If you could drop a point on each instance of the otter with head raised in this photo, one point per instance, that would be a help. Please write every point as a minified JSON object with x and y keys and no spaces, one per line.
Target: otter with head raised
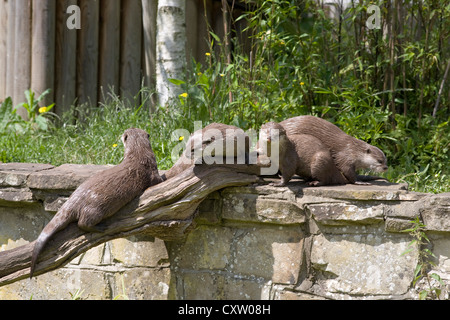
{"x":103,"y":194}
{"x":299,"y":154}
{"x":349,"y":154}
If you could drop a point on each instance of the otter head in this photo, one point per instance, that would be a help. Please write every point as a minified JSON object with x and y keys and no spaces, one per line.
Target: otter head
{"x":272,"y":135}
{"x":137,"y":144}
{"x":373,"y":159}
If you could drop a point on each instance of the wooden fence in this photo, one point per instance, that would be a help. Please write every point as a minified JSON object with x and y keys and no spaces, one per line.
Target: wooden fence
{"x":113,"y":50}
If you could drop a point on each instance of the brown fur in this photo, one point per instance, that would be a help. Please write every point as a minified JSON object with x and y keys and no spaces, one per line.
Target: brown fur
{"x":303,"y":155}
{"x":349,"y":154}
{"x":103,"y":194}
{"x":210,"y":135}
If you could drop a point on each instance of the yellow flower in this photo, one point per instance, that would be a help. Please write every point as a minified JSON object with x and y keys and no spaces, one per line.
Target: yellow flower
{"x":115,"y":145}
{"x":302,"y":83}
{"x":184,"y":95}
{"x":222,"y":75}
{"x":199,"y":74}
{"x":207,"y":54}
{"x":43,"y":110}
{"x":181,"y":138}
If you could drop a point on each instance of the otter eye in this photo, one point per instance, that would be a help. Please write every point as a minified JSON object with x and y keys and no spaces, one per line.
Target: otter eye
{"x":148,"y":135}
{"x":125,"y":137}
{"x":368,"y":151}
{"x":380,"y":161}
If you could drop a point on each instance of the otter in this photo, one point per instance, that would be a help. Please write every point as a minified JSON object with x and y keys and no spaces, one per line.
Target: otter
{"x":103,"y":194}
{"x":349,"y":154}
{"x":300,"y":154}
{"x":212,"y":143}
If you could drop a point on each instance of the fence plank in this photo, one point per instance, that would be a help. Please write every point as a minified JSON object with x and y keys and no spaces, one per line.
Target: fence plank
{"x":115,"y":47}
{"x":65,"y":59}
{"x":22,"y":59}
{"x":43,"y":48}
{"x":109,"y":48}
{"x":130,"y":64}
{"x":191,"y":30}
{"x":10,"y":47}
{"x":3,"y":46}
{"x":87,"y":62}
{"x":149,"y":10}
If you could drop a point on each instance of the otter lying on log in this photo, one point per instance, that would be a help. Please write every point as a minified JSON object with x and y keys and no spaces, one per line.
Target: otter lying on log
{"x":217,"y":141}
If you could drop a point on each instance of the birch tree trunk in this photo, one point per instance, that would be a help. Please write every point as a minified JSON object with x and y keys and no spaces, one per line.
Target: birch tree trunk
{"x":170,"y":48}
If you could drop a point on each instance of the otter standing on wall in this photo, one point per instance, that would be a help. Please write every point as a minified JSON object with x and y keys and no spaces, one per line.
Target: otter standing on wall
{"x":300,"y":154}
{"x":103,"y":194}
{"x":349,"y":153}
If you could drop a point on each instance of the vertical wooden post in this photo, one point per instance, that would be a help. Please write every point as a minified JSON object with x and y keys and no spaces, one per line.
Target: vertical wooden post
{"x":131,"y":43}
{"x":3,"y":47}
{"x":191,"y":30}
{"x":87,"y":64}
{"x":22,"y":59}
{"x":65,"y":59}
{"x":10,"y":47}
{"x":109,"y":48}
{"x":43,"y":48}
{"x":149,"y":11}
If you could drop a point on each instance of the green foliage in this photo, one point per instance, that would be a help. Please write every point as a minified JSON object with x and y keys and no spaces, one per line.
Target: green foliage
{"x":420,"y":239}
{"x":38,"y":117}
{"x":77,"y":295}
{"x":378,"y":85}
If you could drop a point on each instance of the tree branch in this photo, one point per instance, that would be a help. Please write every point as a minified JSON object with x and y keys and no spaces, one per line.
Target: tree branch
{"x":165,"y":211}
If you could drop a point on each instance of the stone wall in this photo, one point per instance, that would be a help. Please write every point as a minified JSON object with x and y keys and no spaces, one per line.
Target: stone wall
{"x":255,"y":242}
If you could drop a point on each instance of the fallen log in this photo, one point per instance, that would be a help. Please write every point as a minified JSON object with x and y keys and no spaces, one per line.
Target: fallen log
{"x":166,"y":211}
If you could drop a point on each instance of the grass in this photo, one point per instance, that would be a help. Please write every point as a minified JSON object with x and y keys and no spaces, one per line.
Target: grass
{"x":96,"y":140}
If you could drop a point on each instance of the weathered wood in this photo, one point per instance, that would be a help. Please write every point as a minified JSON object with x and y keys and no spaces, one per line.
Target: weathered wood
{"x":3,"y":47}
{"x":86,"y":60}
{"x":149,"y":10}
{"x":22,"y":51}
{"x":43,"y":48}
{"x":87,"y":63}
{"x":109,"y":48}
{"x":191,"y":30}
{"x":10,"y":49}
{"x":165,"y":211}
{"x":130,"y":64}
{"x":65,"y":59}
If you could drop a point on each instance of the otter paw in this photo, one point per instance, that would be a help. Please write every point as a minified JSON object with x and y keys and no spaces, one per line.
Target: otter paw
{"x":362,"y":183}
{"x":277,"y":184}
{"x":313,"y":183}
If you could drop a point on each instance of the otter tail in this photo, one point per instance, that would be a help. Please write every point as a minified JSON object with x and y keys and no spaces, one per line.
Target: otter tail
{"x":58,"y":222}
